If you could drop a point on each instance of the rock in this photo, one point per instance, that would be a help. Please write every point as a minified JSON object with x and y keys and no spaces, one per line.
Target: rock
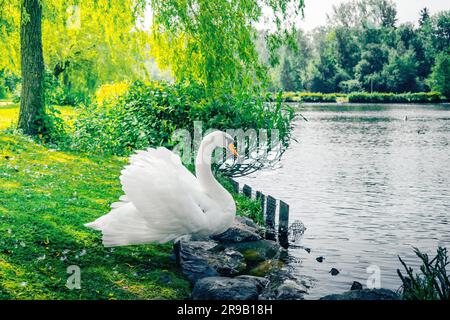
{"x":334,"y":271}
{"x":364,"y":294}
{"x":356,"y":286}
{"x":215,"y":265}
{"x":200,"y":259}
{"x":257,"y":251}
{"x":320,"y":259}
{"x":249,"y":223}
{"x":266,"y":267}
{"x":243,"y":230}
{"x":283,"y":286}
{"x":308,"y":250}
{"x":290,"y":290}
{"x":260,"y":282}
{"x":225,"y":288}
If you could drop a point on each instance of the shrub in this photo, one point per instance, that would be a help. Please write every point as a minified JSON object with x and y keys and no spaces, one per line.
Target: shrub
{"x":149,"y":113}
{"x":350,"y":86}
{"x":290,"y":96}
{"x":3,"y":92}
{"x":377,"y":97}
{"x":8,"y":83}
{"x":107,"y":93}
{"x":309,"y":97}
{"x":317,"y":97}
{"x":433,"y":283}
{"x":58,"y":94}
{"x":440,"y":77}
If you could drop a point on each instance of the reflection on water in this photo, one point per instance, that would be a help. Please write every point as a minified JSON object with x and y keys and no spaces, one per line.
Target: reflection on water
{"x":368,"y":185}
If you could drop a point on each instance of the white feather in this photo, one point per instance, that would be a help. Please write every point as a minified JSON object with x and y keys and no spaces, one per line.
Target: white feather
{"x":162,"y":202}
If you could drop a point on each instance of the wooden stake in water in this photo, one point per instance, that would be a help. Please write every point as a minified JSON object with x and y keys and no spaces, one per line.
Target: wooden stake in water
{"x":270,"y":217}
{"x":262,"y":199}
{"x":235,"y":185}
{"x":283,"y":224}
{"x":247,"y":191}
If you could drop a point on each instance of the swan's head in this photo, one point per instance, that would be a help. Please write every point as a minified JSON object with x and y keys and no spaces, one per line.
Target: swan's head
{"x":219,"y":139}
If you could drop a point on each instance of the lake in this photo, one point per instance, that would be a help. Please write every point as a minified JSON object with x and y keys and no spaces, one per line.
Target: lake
{"x":368,"y":185}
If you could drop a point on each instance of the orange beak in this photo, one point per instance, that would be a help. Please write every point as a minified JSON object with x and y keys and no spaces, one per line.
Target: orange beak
{"x":233,"y":149}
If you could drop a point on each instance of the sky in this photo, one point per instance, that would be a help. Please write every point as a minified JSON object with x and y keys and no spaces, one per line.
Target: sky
{"x":407,"y":10}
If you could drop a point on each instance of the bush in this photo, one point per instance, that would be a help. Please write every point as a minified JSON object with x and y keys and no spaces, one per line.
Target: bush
{"x":433,"y":283}
{"x":376,"y":97}
{"x":440,"y":77}
{"x":107,"y":93}
{"x":350,"y":86}
{"x":8,"y":83}
{"x":149,"y":113}
{"x":317,"y":97}
{"x":58,"y":94}
{"x":309,"y":97}
{"x":3,"y":92}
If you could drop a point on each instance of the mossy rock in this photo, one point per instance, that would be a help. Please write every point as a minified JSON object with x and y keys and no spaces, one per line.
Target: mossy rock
{"x":266,"y":267}
{"x":257,"y":251}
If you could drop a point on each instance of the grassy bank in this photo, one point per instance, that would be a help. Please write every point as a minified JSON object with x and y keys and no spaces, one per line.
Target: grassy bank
{"x":363,"y":97}
{"x":45,"y":198}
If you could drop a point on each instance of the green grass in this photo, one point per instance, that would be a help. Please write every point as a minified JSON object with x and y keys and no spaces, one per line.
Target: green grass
{"x":46,"y":196}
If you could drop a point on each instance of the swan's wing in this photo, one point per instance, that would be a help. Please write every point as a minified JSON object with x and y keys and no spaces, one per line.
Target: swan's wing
{"x":166,"y":195}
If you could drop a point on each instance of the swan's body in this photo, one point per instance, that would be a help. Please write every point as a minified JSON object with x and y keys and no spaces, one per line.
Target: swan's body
{"x":164,"y":201}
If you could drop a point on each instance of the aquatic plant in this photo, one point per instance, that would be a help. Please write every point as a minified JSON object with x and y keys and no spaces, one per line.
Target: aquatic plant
{"x":433,"y":283}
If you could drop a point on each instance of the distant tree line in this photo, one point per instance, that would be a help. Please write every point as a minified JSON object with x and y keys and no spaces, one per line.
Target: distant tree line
{"x":363,"y":48}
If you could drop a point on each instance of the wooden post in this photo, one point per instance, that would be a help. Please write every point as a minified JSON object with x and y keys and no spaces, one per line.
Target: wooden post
{"x":235,"y":185}
{"x":262,"y":199}
{"x":283,"y":224}
{"x":270,"y":217}
{"x":247,"y":191}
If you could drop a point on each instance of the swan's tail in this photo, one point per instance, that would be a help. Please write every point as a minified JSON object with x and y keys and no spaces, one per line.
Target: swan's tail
{"x":124,"y":226}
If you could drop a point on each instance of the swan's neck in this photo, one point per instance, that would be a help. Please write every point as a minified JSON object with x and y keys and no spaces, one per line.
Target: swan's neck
{"x":204,"y":173}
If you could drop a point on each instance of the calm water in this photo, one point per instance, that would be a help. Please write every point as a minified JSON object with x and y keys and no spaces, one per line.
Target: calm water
{"x":368,"y":186}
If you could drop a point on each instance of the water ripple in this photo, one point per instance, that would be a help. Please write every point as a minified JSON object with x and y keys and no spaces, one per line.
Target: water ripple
{"x":368,"y":186}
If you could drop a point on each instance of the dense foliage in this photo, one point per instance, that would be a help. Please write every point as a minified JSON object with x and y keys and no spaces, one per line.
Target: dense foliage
{"x":90,"y":43}
{"x":364,"y":97}
{"x":418,"y":97}
{"x":310,"y":97}
{"x":85,"y":43}
{"x":433,"y":281}
{"x":149,"y":113}
{"x":440,"y":76}
{"x":213,"y":42}
{"x":363,"y":48}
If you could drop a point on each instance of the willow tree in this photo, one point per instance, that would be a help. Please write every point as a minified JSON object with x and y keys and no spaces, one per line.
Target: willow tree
{"x":32,"y":68}
{"x":84,"y":44}
{"x":213,"y":42}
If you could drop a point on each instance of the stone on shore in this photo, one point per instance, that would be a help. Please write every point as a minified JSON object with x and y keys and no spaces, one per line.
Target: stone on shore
{"x":237,"y":264}
{"x":226,"y":288}
{"x":242,"y":230}
{"x":364,"y":294}
{"x":200,"y":259}
{"x":334,"y":271}
{"x":356,"y":286}
{"x":290,"y":290}
{"x":257,"y":251}
{"x":284,"y":286}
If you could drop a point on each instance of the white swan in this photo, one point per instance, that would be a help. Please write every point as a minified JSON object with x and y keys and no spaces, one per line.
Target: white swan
{"x":164,"y":201}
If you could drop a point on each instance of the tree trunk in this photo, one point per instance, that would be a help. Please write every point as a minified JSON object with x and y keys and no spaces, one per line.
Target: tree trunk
{"x":32,"y":105}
